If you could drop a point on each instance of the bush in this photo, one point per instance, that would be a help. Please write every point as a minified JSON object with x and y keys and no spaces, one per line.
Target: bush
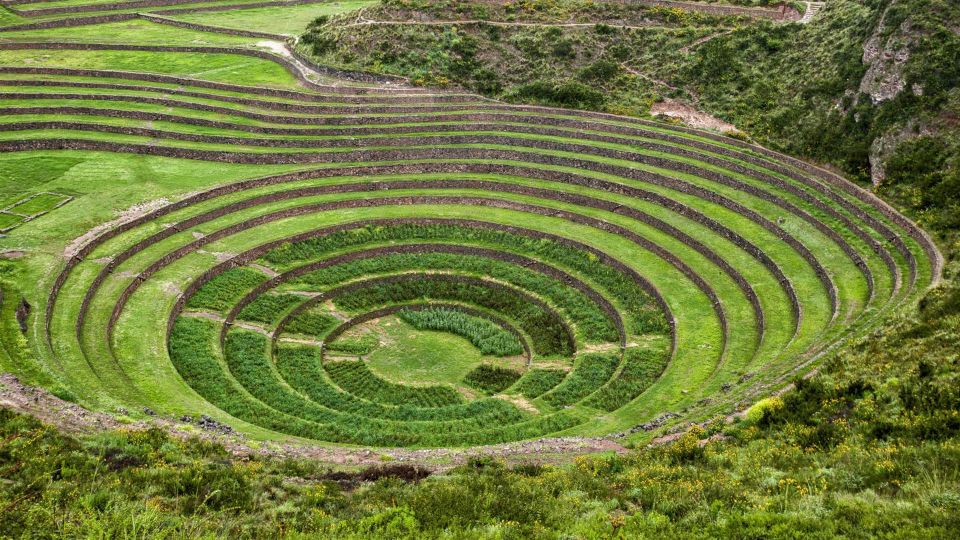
{"x":571,"y":94}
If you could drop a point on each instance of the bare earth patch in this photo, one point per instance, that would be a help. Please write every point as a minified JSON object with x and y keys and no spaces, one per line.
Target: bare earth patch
{"x":691,"y":116}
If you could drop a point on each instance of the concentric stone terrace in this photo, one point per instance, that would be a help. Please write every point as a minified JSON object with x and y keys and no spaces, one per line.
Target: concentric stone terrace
{"x":606,"y":269}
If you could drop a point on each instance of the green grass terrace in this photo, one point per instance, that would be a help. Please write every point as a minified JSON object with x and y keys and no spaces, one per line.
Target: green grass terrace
{"x":298,"y":255}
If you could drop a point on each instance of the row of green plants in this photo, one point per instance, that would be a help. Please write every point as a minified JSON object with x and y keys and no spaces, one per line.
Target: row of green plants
{"x":590,"y":373}
{"x":269,"y":308}
{"x":254,"y":393}
{"x":354,"y":345}
{"x":315,"y":322}
{"x":546,"y":329}
{"x":354,"y":377}
{"x":301,"y":367}
{"x":223,"y":291}
{"x":486,"y":335}
{"x":642,"y":313}
{"x":641,"y":368}
{"x":491,"y":379}
{"x":539,"y":381}
{"x":591,"y":323}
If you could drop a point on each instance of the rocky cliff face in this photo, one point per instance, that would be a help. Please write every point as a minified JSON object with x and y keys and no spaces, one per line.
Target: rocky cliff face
{"x":888,"y":54}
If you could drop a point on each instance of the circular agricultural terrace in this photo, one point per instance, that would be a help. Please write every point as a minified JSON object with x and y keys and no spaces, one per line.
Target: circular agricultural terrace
{"x":601,"y":270}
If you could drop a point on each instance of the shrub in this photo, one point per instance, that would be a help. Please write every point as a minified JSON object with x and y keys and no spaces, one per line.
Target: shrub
{"x":571,"y":94}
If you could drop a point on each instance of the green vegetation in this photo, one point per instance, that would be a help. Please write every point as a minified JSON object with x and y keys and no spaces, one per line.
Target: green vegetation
{"x":546,"y":330}
{"x":220,"y":293}
{"x":595,"y":325}
{"x":557,"y":224}
{"x":406,"y":353}
{"x":762,"y":480}
{"x":316,"y":323}
{"x":360,"y":345}
{"x":589,"y":373}
{"x":484,"y":334}
{"x":269,"y":308}
{"x":491,"y":379}
{"x":280,"y":20}
{"x":536,"y":382}
{"x":830,"y":105}
{"x":354,"y":377}
{"x":641,"y":368}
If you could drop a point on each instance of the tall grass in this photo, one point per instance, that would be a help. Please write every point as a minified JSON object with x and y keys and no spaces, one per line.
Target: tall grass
{"x":547,"y":331}
{"x":590,"y":372}
{"x":484,"y":334}
{"x":644,"y":316}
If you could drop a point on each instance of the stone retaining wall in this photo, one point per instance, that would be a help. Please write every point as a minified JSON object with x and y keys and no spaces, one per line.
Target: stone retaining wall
{"x":441,"y":153}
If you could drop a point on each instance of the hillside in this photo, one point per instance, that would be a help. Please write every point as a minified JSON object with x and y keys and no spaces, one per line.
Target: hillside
{"x":865,"y":86}
{"x":411,"y":269}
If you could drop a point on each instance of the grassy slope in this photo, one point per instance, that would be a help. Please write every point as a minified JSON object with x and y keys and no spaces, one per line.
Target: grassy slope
{"x":791,"y":87}
{"x":282,"y":20}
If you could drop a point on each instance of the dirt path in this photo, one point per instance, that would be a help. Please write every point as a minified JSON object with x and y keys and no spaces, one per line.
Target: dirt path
{"x":687,"y":48}
{"x":237,"y":324}
{"x":265,"y":269}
